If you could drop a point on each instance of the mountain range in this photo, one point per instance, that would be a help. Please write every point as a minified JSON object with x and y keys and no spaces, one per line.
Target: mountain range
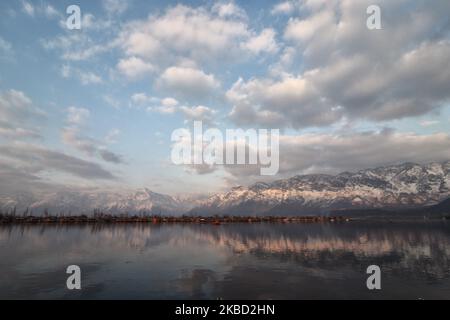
{"x":85,"y":202}
{"x":395,"y":187}
{"x":402,"y":186}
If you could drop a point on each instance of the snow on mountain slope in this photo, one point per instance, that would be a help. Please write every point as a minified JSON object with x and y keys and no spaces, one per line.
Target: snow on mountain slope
{"x":403,"y":185}
{"x":77,"y":202}
{"x":406,"y":185}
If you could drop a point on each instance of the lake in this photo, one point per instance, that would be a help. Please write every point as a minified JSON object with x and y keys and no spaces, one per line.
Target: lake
{"x":230,"y":261}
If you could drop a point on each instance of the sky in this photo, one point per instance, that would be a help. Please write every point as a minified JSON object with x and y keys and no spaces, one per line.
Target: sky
{"x":95,"y":108}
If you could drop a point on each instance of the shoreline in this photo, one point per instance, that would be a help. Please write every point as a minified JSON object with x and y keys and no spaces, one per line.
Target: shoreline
{"x":216,"y":220}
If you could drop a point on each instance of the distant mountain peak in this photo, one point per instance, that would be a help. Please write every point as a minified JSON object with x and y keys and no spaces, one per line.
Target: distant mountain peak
{"x":395,"y":186}
{"x":404,"y":185}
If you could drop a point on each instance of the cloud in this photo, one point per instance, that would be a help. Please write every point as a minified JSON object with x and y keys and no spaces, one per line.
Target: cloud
{"x":188,"y":82}
{"x":6,"y":49}
{"x":115,"y":6}
{"x":89,"y":146}
{"x":228,"y":9}
{"x":199,"y":113}
{"x":337,"y":152}
{"x":289,"y":102}
{"x":204,"y":35}
{"x":135,"y":68}
{"x":428,"y":123}
{"x":83,"y":45}
{"x":50,"y":11}
{"x":18,"y":115}
{"x":348,"y":71}
{"x":46,"y":160}
{"x":112,"y":136}
{"x":89,"y":78}
{"x":19,"y":178}
{"x":166,"y":105}
{"x":77,"y":116}
{"x":12,"y":132}
{"x":170,"y":105}
{"x":41,"y":9}
{"x":264,"y":42}
{"x":85,"y":77}
{"x":28,"y":8}
{"x":141,"y":99}
{"x":71,"y":136}
{"x":285,"y":7}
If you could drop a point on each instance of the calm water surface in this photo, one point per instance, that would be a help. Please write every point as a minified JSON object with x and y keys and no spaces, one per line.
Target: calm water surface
{"x":236,"y":261}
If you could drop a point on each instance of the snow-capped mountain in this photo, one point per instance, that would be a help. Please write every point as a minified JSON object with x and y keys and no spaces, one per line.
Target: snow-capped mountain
{"x":406,"y":185}
{"x":79,"y":202}
{"x":400,"y":186}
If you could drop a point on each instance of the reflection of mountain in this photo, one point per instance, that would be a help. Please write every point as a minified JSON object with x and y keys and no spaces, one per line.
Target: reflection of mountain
{"x":308,"y":243}
{"x":233,"y":261}
{"x":425,"y":247}
{"x":402,"y":186}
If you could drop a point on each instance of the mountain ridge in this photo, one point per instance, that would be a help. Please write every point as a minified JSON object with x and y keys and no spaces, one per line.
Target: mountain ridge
{"x":395,"y":187}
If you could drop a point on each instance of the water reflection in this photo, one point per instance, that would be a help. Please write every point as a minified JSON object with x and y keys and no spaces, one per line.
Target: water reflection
{"x":256,"y":261}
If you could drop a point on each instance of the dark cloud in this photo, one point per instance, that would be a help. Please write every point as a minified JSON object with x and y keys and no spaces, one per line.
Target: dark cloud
{"x":44,"y":159}
{"x":109,"y":156}
{"x":334,"y":153}
{"x":349,"y":71}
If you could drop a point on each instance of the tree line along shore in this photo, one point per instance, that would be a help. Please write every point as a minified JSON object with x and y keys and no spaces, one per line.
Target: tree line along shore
{"x":13,"y":218}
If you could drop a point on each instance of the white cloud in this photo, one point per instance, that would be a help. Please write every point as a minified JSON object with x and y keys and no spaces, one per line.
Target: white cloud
{"x":170,"y":105}
{"x":165,"y":106}
{"x":198,"y":113}
{"x":112,"y":136}
{"x":291,"y":102}
{"x":304,"y":30}
{"x":28,"y":8}
{"x":50,"y":11}
{"x":169,"y":102}
{"x":6,"y":49}
{"x":189,"y":82}
{"x":77,"y":116}
{"x":285,"y":7}
{"x":264,"y":42}
{"x":89,"y":78}
{"x":228,"y":9}
{"x":135,"y":68}
{"x":139,"y":98}
{"x":428,"y":123}
{"x":115,"y":6}
{"x":85,"y":77}
{"x":204,"y":35}
{"x":78,"y":46}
